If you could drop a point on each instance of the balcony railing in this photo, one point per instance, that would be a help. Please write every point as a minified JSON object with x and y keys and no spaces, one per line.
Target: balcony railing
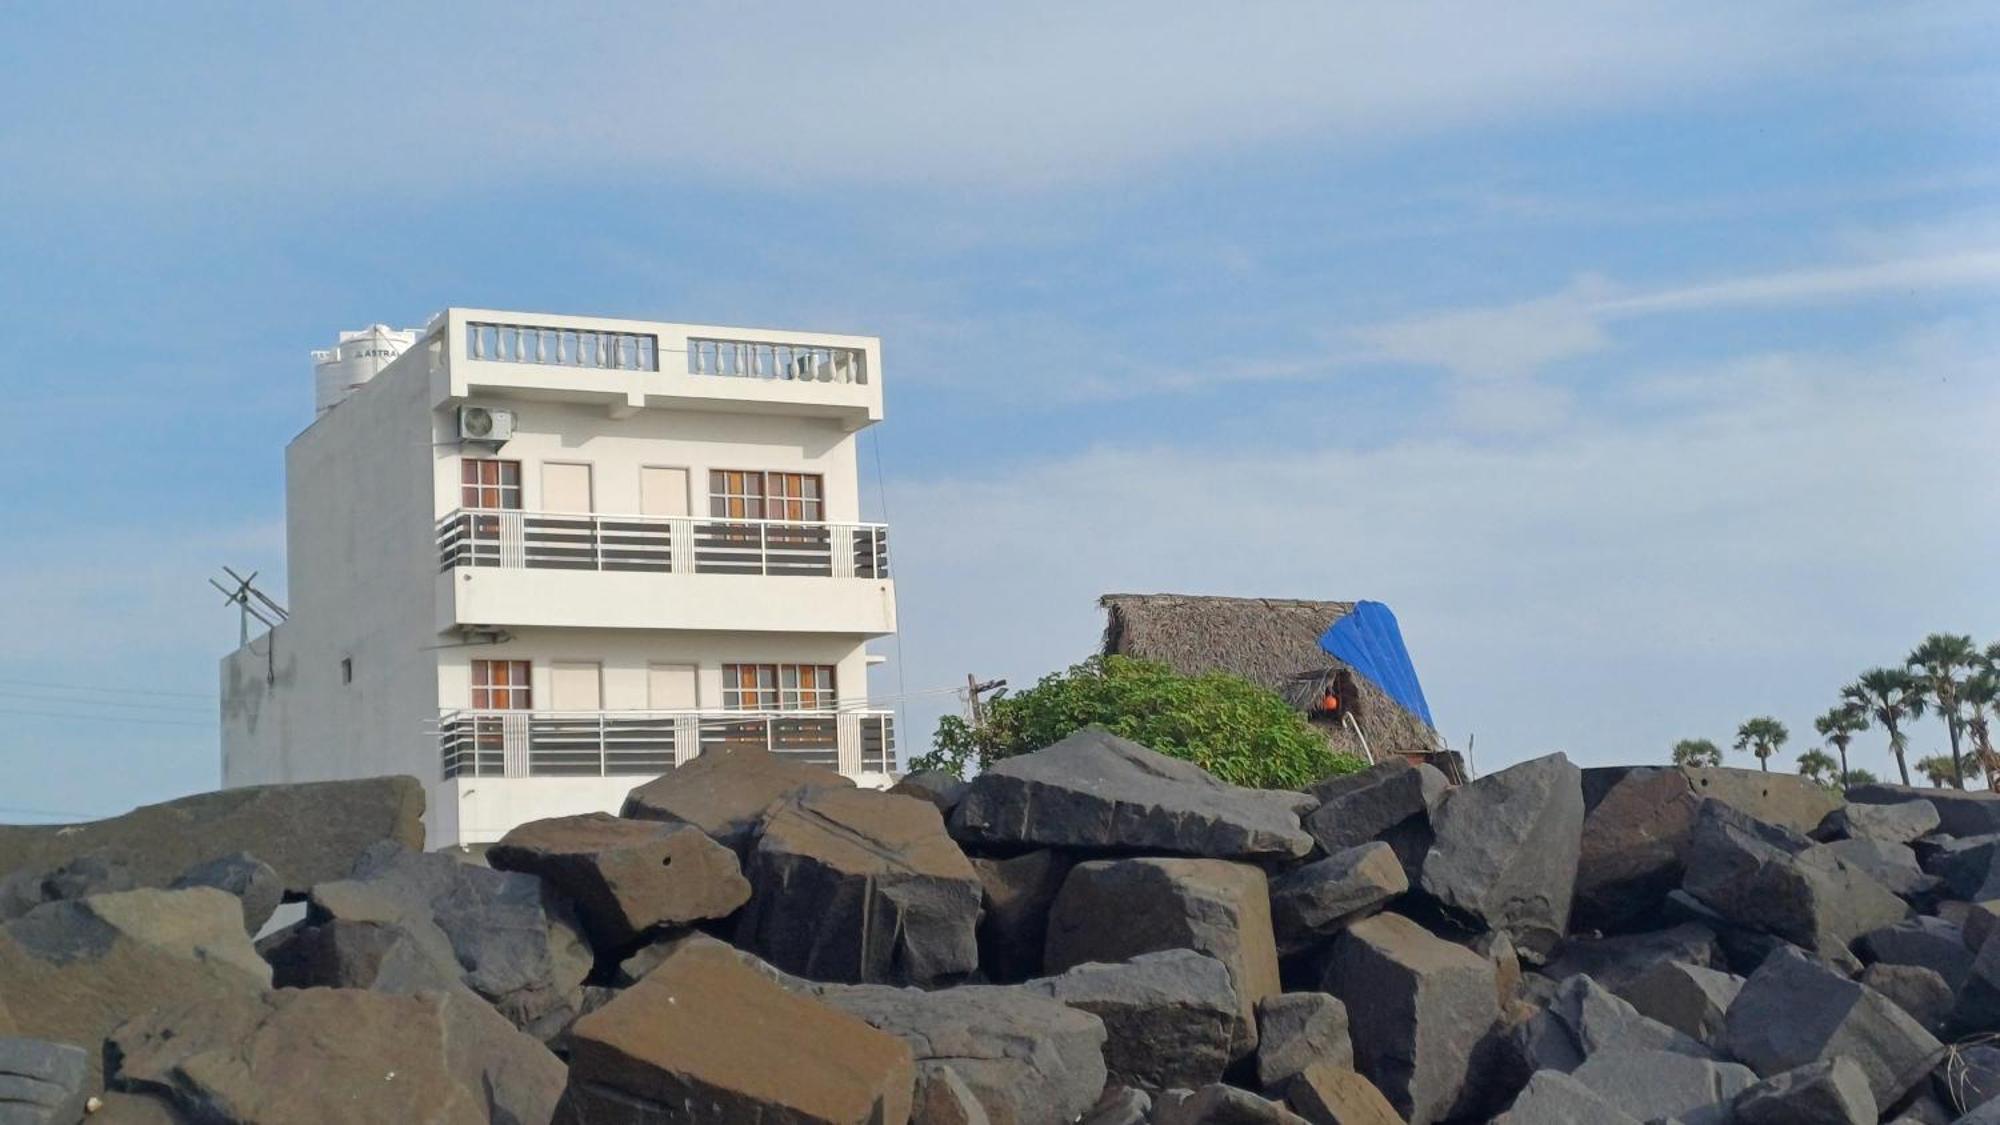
{"x":751,"y":359}
{"x":562,"y":347}
{"x":558,"y":541}
{"x":647,"y":743}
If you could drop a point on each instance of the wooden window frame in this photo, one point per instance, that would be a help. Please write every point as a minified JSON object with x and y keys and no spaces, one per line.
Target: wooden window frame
{"x":767,"y":494}
{"x":780,"y":687}
{"x":475,"y":490}
{"x":502,"y":685}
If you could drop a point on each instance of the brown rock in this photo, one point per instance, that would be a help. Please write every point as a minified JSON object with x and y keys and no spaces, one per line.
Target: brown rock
{"x":1632,"y":842}
{"x":627,"y":876}
{"x":704,"y":1037}
{"x":1113,"y":910}
{"x":1784,"y":799}
{"x":308,"y":833}
{"x":1325,"y":1094}
{"x":855,"y":885}
{"x":726,"y":793}
{"x":1015,"y":921}
{"x":338,"y":1056}
{"x":72,"y":971}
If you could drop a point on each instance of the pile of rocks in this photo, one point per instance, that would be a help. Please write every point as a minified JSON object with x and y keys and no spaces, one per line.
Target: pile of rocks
{"x":1092,"y":933}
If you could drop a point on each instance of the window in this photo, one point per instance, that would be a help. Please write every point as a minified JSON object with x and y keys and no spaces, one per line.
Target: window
{"x":778,"y":687}
{"x":500,"y":685}
{"x":489,"y":484}
{"x":738,"y":494}
{"x":346,"y":669}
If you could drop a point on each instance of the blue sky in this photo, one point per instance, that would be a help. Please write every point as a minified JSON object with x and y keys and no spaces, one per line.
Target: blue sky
{"x":1640,"y":355}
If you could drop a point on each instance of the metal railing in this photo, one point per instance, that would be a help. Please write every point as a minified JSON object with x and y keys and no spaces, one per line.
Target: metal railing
{"x":476,"y":743}
{"x":562,"y":347}
{"x":752,"y":359}
{"x":558,"y":541}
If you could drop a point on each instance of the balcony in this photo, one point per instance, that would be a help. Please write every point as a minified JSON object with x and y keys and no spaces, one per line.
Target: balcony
{"x":648,"y":743}
{"x":630,"y":365}
{"x":502,"y":567}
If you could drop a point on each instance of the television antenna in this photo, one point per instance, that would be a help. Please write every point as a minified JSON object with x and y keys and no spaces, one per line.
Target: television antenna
{"x":250,"y":602}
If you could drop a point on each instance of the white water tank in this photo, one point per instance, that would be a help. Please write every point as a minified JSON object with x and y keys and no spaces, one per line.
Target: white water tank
{"x":354,"y":360}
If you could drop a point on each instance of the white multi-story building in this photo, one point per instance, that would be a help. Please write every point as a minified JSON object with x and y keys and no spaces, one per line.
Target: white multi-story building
{"x":536,"y":559}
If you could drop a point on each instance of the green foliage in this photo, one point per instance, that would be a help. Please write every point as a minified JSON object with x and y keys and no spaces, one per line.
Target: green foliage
{"x":1859,"y":777}
{"x":1818,"y":765}
{"x":1937,"y":769}
{"x":1761,"y":736}
{"x":1228,"y":726}
{"x":1697,"y":752}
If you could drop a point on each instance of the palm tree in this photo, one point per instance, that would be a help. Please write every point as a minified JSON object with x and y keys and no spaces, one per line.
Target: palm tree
{"x":1981,"y":693}
{"x":1940,"y":663}
{"x":1697,"y":752}
{"x":1937,"y":769}
{"x":1818,"y":765}
{"x":1761,"y":736}
{"x":1852,"y":778}
{"x":1839,"y":726}
{"x":1888,"y":696}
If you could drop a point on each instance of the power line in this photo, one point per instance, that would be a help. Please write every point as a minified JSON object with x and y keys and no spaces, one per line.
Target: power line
{"x":12,"y":810}
{"x":142,"y":720}
{"x":101,"y":688}
{"x":170,"y":708}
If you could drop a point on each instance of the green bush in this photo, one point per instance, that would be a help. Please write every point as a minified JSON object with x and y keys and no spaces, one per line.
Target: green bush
{"x":1230,"y":727}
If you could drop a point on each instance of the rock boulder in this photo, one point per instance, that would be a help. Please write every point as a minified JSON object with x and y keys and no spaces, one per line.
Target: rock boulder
{"x":725,"y":793}
{"x":1171,"y":1019}
{"x":626,"y":876}
{"x":1506,"y":850}
{"x":1794,"y":1011}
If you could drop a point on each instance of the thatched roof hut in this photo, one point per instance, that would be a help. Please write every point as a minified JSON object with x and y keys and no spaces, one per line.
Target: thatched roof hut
{"x":1273,"y":642}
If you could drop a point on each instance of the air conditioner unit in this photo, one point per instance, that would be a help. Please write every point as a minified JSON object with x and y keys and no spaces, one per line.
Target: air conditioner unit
{"x":479,"y":423}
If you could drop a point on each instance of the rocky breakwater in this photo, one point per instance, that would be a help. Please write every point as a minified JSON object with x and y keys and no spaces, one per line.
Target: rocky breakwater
{"x":1091,"y":933}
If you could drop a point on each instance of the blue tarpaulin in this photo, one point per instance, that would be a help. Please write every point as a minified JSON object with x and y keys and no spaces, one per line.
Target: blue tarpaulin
{"x":1368,"y":641}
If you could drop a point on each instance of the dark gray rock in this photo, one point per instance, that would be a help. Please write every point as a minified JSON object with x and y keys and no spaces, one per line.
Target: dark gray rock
{"x":1786,"y":800}
{"x":1584,"y":1020}
{"x":1552,"y":1097}
{"x":1359,"y":807}
{"x":71,"y":971}
{"x":1745,"y":873}
{"x":1313,"y":902}
{"x":945,"y":790}
{"x":1225,"y":1105}
{"x":309,"y":832}
{"x":626,"y":877}
{"x":1025,"y":1057}
{"x":1978,"y":1008}
{"x":285,"y":1055}
{"x":1970,"y":868}
{"x":726,"y":793}
{"x":1506,"y":851}
{"x":1615,"y":962}
{"x":1892,"y":865}
{"x":707,"y":1036}
{"x":1793,"y":1011}
{"x":1094,"y":790}
{"x":1979,"y":921}
{"x":512,"y":940}
{"x":1929,"y":943}
{"x":1171,"y":1019}
{"x":1114,"y":910}
{"x":1968,"y":813}
{"x":1014,"y":923}
{"x":1829,"y":1092}
{"x":1629,"y":854}
{"x":1296,"y":1030}
{"x":1915,"y":989}
{"x":860,"y":886}
{"x":81,"y":877}
{"x":1691,"y":999}
{"x":1417,"y":1005}
{"x":250,"y":879}
{"x":42,"y":1083}
{"x":1890,"y":824}
{"x":1651,"y":1085}
{"x":395,"y":955}
{"x":1969,"y":1076}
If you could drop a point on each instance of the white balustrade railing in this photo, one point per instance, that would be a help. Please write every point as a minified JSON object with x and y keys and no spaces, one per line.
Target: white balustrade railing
{"x":562,"y":347}
{"x":752,"y":359}
{"x":484,"y":743}
{"x":562,"y":541}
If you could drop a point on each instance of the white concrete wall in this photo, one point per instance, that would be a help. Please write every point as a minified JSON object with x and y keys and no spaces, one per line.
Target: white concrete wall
{"x":360,"y":553}
{"x":518,"y":597}
{"x":617,"y":448}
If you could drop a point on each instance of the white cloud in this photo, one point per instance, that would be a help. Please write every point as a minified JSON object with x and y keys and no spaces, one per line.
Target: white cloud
{"x":1636,"y":577}
{"x":1976,"y":267}
{"x":1487,"y":343}
{"x":803,"y":96}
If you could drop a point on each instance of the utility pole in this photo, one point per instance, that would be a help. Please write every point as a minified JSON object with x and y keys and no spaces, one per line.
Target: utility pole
{"x":975,"y":709}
